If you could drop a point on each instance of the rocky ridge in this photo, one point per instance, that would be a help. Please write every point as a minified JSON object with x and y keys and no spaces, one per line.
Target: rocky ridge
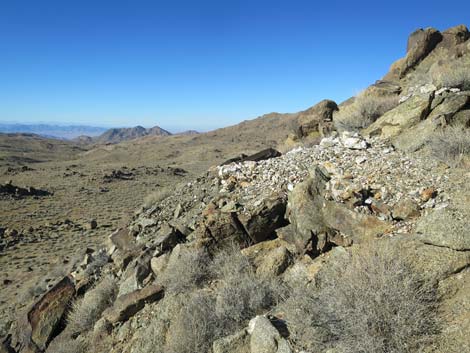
{"x":296,"y":218}
{"x":364,"y":180}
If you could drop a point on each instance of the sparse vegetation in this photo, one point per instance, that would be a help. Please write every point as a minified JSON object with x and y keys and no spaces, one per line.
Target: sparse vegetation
{"x":157,"y":196}
{"x":451,"y":145}
{"x":454,"y":74}
{"x":241,"y":294}
{"x":195,"y":327}
{"x":191,"y":322}
{"x":378,"y":303}
{"x":186,"y":271}
{"x":79,"y":345}
{"x":365,"y":109}
{"x":86,"y":311}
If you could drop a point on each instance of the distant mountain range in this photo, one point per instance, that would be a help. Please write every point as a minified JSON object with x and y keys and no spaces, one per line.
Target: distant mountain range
{"x":123,"y":134}
{"x":53,"y":131}
{"x":83,"y":134}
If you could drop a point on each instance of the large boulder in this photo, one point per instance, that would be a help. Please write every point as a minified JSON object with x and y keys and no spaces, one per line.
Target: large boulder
{"x":220,"y":227}
{"x":261,"y":222}
{"x":449,"y":106}
{"x":415,"y":137}
{"x":129,"y":304}
{"x":401,"y":118}
{"x":316,"y":119}
{"x":265,"y":338}
{"x":319,"y":223}
{"x":167,"y":237}
{"x":420,"y":44}
{"x":47,"y":315}
{"x":136,"y":272}
{"x":455,"y":36}
{"x":256,"y":157}
{"x":455,"y":312}
{"x":303,"y":213}
{"x":275,"y":262}
{"x":445,"y":228}
{"x":355,"y":226}
{"x":431,"y":261}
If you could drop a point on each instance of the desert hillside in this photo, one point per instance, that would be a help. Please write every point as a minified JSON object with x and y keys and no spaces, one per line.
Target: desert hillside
{"x":341,"y":228}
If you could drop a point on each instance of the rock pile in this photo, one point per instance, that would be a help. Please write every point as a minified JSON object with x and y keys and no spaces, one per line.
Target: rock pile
{"x":8,"y":189}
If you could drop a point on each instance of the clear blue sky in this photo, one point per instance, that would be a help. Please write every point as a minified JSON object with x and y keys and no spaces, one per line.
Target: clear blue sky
{"x":197,"y":64}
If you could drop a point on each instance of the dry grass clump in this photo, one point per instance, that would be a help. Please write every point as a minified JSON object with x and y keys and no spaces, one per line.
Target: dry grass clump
{"x":195,"y":327}
{"x":242,"y":294}
{"x":451,"y":145}
{"x":377,"y":304}
{"x":190,"y":322}
{"x":156,"y":196}
{"x":454,"y":74}
{"x":365,"y":109}
{"x":78,"y":345}
{"x":186,"y":270}
{"x":86,"y":311}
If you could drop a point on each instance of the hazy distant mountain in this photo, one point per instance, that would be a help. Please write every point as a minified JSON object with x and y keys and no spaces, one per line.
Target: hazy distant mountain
{"x":188,"y":132}
{"x":123,"y":134}
{"x":53,"y":131}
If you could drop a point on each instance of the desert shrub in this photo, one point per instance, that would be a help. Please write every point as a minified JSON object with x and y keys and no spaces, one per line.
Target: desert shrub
{"x":365,"y":109}
{"x":86,"y":311}
{"x":156,"y":196}
{"x":79,"y":345}
{"x":186,"y":270}
{"x":241,"y":294}
{"x":152,"y":338}
{"x":452,"y":74}
{"x":190,"y":321}
{"x":451,"y":145}
{"x":195,"y":327}
{"x":378,"y":303}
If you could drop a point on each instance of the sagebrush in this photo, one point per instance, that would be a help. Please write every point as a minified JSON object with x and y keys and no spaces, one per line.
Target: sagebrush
{"x":366,"y":108}
{"x":451,"y":145}
{"x":378,"y":303}
{"x":156,"y":196}
{"x":87,"y":310}
{"x":454,"y":74}
{"x":186,"y":270}
{"x":222,"y":304}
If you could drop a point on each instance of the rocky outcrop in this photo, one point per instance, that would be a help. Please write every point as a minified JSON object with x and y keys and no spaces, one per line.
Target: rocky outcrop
{"x":320,"y":223}
{"x":45,"y":320}
{"x":317,"y":119}
{"x":129,"y":304}
{"x":256,"y":157}
{"x":403,"y":117}
{"x":8,"y":189}
{"x":420,"y":44}
{"x":265,"y":338}
{"x":455,"y":36}
{"x":294,"y":220}
{"x":445,"y":228}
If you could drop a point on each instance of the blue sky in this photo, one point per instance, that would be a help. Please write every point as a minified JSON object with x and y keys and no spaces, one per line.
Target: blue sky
{"x":197,"y":64}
